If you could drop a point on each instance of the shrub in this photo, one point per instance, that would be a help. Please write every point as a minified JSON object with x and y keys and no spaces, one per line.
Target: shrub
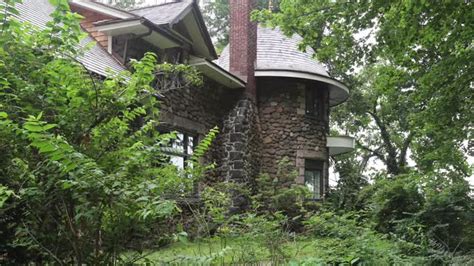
{"x":281,"y":194}
{"x":82,"y":173}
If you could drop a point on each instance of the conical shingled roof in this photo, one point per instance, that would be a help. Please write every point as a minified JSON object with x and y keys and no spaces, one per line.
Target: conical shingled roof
{"x":279,"y":56}
{"x":275,"y":51}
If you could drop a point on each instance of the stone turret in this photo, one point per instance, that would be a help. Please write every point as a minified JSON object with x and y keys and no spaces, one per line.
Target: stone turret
{"x":294,"y":94}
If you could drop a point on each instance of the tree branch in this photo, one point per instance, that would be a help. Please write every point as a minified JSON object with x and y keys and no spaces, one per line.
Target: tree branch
{"x":403,"y":153}
{"x":42,"y":246}
{"x":391,"y":160}
{"x":375,"y":152}
{"x":365,"y":160}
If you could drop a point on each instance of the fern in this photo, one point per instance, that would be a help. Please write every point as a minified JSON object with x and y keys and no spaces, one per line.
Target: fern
{"x":204,"y":145}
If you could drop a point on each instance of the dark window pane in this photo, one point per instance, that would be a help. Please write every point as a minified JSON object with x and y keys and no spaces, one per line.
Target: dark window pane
{"x":314,"y":164}
{"x":309,"y":101}
{"x":312,"y":180}
{"x":313,"y":177}
{"x":314,"y":102}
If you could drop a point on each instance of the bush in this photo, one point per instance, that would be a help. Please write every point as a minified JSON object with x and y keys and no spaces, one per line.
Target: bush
{"x":281,"y":194}
{"x":346,"y":240}
{"x":430,"y":213}
{"x":82,"y":172}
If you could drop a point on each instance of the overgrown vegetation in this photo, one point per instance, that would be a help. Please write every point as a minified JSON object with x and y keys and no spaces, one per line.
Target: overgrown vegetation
{"x":83,"y":179}
{"x":82,"y":174}
{"x":398,"y":223}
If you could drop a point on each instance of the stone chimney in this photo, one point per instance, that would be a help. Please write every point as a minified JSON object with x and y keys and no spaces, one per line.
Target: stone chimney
{"x":243,"y":43}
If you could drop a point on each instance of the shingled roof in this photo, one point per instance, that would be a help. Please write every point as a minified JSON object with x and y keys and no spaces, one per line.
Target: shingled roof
{"x":167,"y":13}
{"x":280,"y":56}
{"x":96,"y":59}
{"x":275,"y":51}
{"x":179,"y":20}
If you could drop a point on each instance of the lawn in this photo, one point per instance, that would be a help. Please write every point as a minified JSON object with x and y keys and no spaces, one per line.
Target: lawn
{"x":251,"y":250}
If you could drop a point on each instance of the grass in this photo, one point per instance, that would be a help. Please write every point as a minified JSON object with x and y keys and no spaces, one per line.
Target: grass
{"x":256,"y":251}
{"x":251,"y":250}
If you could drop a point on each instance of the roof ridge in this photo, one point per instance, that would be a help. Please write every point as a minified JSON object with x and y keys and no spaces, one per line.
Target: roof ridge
{"x":162,"y":4}
{"x":113,"y":7}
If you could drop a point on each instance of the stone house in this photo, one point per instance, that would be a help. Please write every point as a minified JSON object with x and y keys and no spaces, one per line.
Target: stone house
{"x":269,"y":99}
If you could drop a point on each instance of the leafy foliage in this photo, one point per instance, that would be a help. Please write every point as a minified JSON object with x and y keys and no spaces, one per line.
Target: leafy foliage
{"x":414,"y":90}
{"x":217,"y":13}
{"x":428,"y":211}
{"x":82,"y":172}
{"x":280,"y":194}
{"x":124,"y":4}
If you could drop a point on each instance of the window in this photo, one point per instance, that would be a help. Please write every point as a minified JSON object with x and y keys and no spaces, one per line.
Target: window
{"x":313,"y":177}
{"x":181,"y":149}
{"x":314,"y":101}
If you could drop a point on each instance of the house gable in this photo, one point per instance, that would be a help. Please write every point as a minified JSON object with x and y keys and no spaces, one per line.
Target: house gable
{"x":87,"y":23}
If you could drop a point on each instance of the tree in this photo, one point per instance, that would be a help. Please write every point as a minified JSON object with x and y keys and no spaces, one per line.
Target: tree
{"x":124,"y":4}
{"x":216,"y":14}
{"x":345,"y":196}
{"x":377,"y":115}
{"x":417,"y":50}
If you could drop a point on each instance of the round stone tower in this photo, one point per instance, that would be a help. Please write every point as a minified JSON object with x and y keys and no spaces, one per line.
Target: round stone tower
{"x":293,"y":95}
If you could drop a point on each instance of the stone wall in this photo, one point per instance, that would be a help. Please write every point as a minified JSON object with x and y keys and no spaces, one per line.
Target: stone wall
{"x":241,"y":145}
{"x":286,"y":129}
{"x":237,"y":147}
{"x":196,"y":111}
{"x":241,"y":136}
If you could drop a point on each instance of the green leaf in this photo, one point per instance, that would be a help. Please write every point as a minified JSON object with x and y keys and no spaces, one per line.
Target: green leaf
{"x":67,"y":185}
{"x":5,"y":194}
{"x":33,"y":127}
{"x":49,"y":126}
{"x":46,"y":147}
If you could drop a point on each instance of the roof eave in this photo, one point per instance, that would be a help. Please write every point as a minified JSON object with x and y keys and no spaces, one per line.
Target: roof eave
{"x":217,"y":73}
{"x":107,"y":26}
{"x":204,"y":31}
{"x":102,"y":8}
{"x":338,"y":92}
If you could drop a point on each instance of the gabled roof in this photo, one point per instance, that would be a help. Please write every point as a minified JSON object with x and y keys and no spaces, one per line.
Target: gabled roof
{"x":165,"y":17}
{"x":96,"y":59}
